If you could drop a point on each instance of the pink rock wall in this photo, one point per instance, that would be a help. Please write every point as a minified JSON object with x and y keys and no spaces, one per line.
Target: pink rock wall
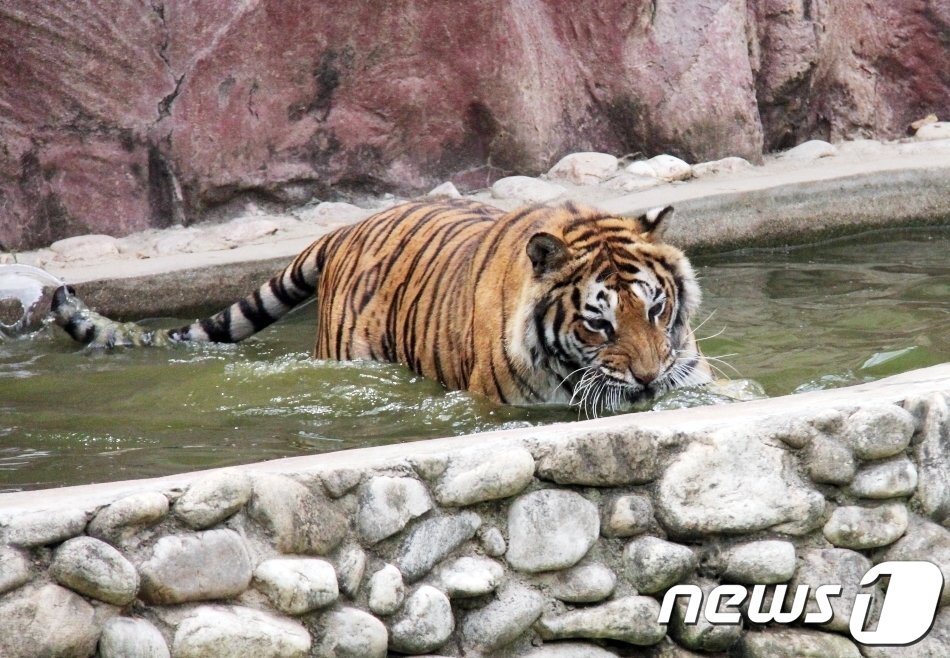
{"x":120,"y":116}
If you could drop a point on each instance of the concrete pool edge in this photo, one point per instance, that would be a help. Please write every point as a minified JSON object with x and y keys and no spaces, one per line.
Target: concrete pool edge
{"x":815,"y":485}
{"x":782,"y":202}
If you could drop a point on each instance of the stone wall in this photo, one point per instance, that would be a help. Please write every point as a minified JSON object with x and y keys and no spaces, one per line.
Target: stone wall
{"x":116,"y":117}
{"x":547,"y":542}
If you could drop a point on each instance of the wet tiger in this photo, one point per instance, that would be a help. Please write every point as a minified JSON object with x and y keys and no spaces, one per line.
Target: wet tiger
{"x":560,"y":304}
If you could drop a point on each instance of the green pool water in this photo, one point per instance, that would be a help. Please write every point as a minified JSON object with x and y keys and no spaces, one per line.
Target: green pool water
{"x":782,"y":321}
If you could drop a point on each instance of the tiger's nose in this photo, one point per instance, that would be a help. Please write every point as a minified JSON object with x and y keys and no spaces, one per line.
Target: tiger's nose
{"x":644,"y":379}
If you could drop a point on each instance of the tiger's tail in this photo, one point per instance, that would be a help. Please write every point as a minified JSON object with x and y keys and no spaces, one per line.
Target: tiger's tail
{"x":285,"y":290}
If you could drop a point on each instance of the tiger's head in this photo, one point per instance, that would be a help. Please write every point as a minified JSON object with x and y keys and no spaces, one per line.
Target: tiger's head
{"x":610,"y":308}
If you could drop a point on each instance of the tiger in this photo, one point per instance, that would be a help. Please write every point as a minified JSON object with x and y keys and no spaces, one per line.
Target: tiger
{"x":547,"y":304}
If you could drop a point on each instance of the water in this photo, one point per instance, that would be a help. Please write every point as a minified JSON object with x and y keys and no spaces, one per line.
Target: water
{"x":806,"y":319}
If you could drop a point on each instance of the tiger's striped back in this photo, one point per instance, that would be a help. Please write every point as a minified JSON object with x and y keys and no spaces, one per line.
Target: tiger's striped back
{"x":543,"y":304}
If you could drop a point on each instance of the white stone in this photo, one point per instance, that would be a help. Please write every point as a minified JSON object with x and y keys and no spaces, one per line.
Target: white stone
{"x":230,"y":631}
{"x":213,"y":498}
{"x":469,"y":576}
{"x":92,"y":567}
{"x":763,"y":562}
{"x":862,"y":528}
{"x":861,"y":147}
{"x":717,"y":167}
{"x":652,"y":564}
{"x":387,"y":504}
{"x":424,"y":623}
{"x":42,"y":527}
{"x":670,"y":168}
{"x":810,"y":150}
{"x":584,"y":168}
{"x":829,"y":461}
{"x":641,"y":168}
{"x":349,"y":633}
{"x":432,"y":540}
{"x":350,"y":567}
{"x":925,"y":541}
{"x":331,"y":212}
{"x":123,"y":637}
{"x":526,"y":190}
{"x":932,"y":455}
{"x":446,"y":189}
{"x":550,"y":529}
{"x":128,"y":516}
{"x":631,"y":619}
{"x":879,"y":432}
{"x":627,"y":182}
{"x":297,"y":586}
{"x":246,"y":229}
{"x":85,"y":247}
{"x":493,"y":542}
{"x":501,"y":621}
{"x":716,"y":486}
{"x":213,"y":564}
{"x":626,"y":515}
{"x":834,"y":566}
{"x":938,"y":130}
{"x":893,"y":478}
{"x":47,"y":621}
{"x":474,"y":476}
{"x":587,"y":583}
{"x":14,"y":569}
{"x":300,"y":521}
{"x":386,"y":591}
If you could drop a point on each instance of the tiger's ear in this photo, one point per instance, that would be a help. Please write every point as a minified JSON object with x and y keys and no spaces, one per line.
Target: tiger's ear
{"x":546,"y":252}
{"x":654,"y":223}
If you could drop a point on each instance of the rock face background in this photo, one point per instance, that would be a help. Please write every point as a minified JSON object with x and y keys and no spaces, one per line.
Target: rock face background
{"x":115,"y":118}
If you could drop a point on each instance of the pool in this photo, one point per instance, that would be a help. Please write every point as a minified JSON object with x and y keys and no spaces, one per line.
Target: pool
{"x":782,"y":321}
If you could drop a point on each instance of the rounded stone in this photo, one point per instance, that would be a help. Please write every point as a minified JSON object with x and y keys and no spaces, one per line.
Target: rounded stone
{"x":492,"y":541}
{"x":127,"y":516}
{"x":14,"y":569}
{"x":349,"y":633}
{"x":760,"y":562}
{"x":46,"y":621}
{"x":387,"y":504}
{"x":526,"y":189}
{"x":213,"y":498}
{"x":42,"y":528}
{"x":226,"y":632}
{"x":469,"y":576}
{"x":213,"y":564}
{"x":652,"y":564}
{"x":297,"y":586}
{"x":92,"y":567}
{"x":829,"y":461}
{"x":502,"y":620}
{"x":703,"y":635}
{"x":862,"y":528}
{"x":479,"y":475}
{"x":631,"y":619}
{"x":724,"y":166}
{"x":587,"y":583}
{"x":584,"y":168}
{"x":879,"y":432}
{"x":810,"y":150}
{"x":550,"y":529}
{"x":350,"y":568}
{"x":424,"y":623}
{"x":670,"y":168}
{"x":123,"y":637}
{"x":386,"y":590}
{"x":893,"y":478}
{"x":797,"y":643}
{"x":835,"y":566}
{"x":626,"y":516}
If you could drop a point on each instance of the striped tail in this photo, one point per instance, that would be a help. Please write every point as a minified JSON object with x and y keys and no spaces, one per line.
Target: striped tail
{"x":295,"y":284}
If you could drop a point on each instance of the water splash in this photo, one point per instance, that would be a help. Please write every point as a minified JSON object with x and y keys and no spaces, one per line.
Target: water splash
{"x":25,"y":285}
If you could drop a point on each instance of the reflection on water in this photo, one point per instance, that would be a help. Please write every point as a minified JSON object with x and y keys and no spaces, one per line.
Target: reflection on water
{"x":801,"y":320}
